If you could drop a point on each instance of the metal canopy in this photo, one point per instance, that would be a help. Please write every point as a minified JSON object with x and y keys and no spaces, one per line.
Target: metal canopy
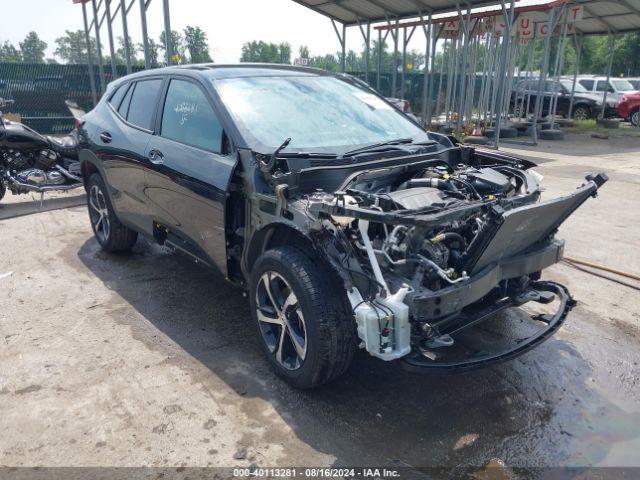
{"x":354,"y":12}
{"x":599,"y":17}
{"x":608,"y":16}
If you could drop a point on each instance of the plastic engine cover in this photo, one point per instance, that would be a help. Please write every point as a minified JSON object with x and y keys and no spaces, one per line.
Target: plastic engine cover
{"x":488,"y":180}
{"x":417,"y":197}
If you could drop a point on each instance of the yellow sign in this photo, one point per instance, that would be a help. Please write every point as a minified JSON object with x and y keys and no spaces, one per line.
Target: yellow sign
{"x":175,"y":58}
{"x":410,"y":66}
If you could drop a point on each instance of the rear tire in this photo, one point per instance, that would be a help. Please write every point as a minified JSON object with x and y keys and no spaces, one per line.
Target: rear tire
{"x":302,"y":316}
{"x":112,"y":235}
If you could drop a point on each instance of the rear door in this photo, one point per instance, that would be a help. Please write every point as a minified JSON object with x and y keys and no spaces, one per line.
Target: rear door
{"x":122,"y":137}
{"x":190,"y":169}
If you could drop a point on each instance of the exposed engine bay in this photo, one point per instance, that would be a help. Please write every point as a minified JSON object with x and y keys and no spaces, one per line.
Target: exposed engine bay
{"x":431,"y":246}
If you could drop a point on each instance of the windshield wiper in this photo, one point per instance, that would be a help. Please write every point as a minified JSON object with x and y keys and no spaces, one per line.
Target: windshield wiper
{"x":373,"y":146}
{"x":307,"y":155}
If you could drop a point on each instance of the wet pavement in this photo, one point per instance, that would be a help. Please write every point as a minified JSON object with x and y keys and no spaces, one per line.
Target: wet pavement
{"x":149,"y":359}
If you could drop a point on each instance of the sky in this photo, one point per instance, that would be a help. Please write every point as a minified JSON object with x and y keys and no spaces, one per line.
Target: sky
{"x":228,"y":24}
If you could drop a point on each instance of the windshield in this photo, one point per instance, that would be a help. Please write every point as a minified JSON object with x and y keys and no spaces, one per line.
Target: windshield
{"x":568,"y":84}
{"x":622,"y":85}
{"x":318,"y":113}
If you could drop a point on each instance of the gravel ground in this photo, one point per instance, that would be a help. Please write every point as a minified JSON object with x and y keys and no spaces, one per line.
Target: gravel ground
{"x":147,"y":359}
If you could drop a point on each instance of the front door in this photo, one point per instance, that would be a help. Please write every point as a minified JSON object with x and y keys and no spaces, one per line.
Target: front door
{"x":189,"y":173}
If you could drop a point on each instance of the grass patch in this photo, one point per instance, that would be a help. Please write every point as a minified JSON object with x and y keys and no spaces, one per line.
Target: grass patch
{"x":591,"y":126}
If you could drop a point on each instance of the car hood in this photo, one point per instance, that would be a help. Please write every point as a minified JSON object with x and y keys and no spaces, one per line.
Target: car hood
{"x":596,"y":97}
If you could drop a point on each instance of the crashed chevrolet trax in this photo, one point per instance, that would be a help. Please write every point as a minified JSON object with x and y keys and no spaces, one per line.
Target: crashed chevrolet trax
{"x":348,"y":226}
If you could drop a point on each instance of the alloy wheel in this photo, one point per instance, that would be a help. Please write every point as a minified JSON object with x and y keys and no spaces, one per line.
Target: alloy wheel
{"x":635,"y":118}
{"x":99,"y":214}
{"x":281,"y":321}
{"x":580,"y":113}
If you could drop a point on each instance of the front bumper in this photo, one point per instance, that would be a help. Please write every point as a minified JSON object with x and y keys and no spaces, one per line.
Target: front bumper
{"x":429,"y":305}
{"x":471,"y":357}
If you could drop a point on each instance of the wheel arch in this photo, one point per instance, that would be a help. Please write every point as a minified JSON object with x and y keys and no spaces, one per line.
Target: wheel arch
{"x":274,"y":235}
{"x":90,"y":164}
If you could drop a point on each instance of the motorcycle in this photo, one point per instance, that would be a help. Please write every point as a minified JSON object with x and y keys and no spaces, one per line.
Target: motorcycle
{"x":31,"y":162}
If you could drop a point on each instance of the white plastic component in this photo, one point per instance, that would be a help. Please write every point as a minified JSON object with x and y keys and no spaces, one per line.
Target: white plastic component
{"x":537,"y":175}
{"x":349,"y":201}
{"x":363,"y":226}
{"x":393,"y":311}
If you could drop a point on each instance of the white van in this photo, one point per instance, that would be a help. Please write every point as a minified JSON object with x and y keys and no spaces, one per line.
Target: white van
{"x":615,"y":88}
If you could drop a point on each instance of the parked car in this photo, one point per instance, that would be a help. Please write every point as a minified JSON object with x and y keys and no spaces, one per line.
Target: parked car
{"x":635,"y":81}
{"x":404,"y":106}
{"x":615,"y":87}
{"x":629,"y":108}
{"x":345,"y":222}
{"x":585,"y":104}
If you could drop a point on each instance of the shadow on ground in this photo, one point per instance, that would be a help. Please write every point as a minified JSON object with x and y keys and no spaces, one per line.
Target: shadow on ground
{"x":539,"y":410}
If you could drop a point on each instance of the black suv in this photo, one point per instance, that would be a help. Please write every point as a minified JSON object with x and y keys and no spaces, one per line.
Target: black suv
{"x":585,"y":105}
{"x":347,"y":224}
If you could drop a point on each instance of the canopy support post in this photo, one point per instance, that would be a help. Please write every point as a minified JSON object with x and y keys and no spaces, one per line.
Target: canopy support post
{"x":145,"y":35}
{"x":612,"y":45}
{"x":343,"y":43}
{"x":168,"y":38}
{"x":577,"y":44}
{"x":112,"y":52}
{"x":98,"y":45}
{"x":125,"y":34}
{"x":87,"y":38}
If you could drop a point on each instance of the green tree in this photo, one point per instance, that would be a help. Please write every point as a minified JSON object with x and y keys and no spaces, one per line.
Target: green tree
{"x":33,"y":48}
{"x":326,"y":62}
{"x":197,"y":44}
{"x":72,"y":48}
{"x":259,"y":51}
{"x":177,"y":46}
{"x":9,"y":53}
{"x":284,"y":51}
{"x":153,"y":53}
{"x":121,"y":57}
{"x":303,"y":51}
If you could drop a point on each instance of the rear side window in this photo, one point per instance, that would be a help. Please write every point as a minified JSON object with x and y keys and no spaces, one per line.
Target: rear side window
{"x":123,"y":109}
{"x":188,"y":118}
{"x":588,"y":84}
{"x":143,"y":103}
{"x":118,"y":95}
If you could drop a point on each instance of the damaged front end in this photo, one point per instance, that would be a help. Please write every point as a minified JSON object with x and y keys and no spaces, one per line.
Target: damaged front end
{"x":431,"y":245}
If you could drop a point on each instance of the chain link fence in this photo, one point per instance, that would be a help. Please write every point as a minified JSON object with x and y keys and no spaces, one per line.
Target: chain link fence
{"x":40,"y":90}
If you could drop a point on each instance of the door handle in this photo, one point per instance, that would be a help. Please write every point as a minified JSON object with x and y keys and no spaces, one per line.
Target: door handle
{"x":105,"y":137}
{"x":156,"y":157}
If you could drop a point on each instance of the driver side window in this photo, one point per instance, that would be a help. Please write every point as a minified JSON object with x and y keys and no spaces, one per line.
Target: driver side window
{"x":603,"y":86}
{"x":188,"y":117}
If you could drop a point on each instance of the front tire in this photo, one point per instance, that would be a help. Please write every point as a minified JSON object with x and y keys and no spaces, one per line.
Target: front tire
{"x":112,"y":235}
{"x":635,"y":118}
{"x":581,"y":112}
{"x":303,"y":320}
